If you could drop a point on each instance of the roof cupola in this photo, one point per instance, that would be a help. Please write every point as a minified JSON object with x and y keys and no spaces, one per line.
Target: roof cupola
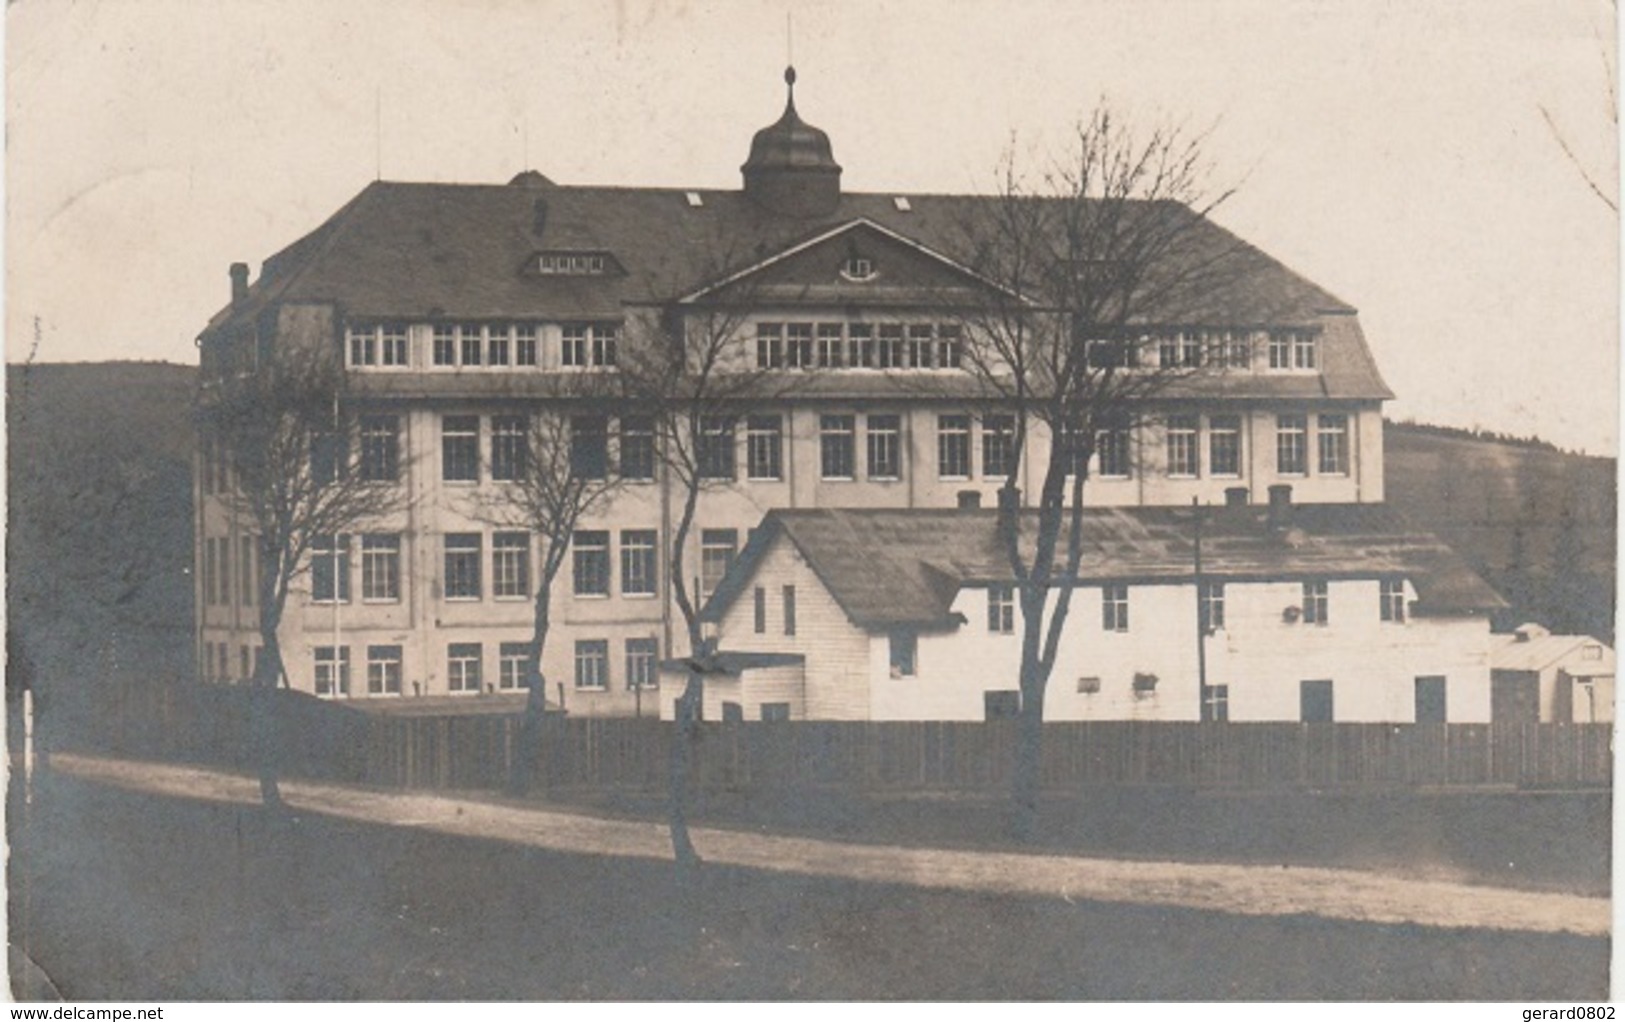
{"x":791,"y":170}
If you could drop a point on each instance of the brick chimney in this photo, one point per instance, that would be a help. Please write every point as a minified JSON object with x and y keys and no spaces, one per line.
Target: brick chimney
{"x":239,"y":282}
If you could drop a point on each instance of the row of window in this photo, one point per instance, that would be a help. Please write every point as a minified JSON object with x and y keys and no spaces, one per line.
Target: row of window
{"x":466,"y":670}
{"x":633,"y":452}
{"x":1315,"y":701}
{"x":858,"y":346}
{"x":463,"y":565}
{"x":1315,"y":607}
{"x":471,"y":345}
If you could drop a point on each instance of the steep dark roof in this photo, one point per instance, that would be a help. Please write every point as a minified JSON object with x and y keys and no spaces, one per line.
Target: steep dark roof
{"x":443,"y":250}
{"x":902,"y":567}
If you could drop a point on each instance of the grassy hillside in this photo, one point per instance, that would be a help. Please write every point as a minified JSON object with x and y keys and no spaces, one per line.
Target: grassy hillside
{"x":1537,"y":523}
{"x":99,"y":538}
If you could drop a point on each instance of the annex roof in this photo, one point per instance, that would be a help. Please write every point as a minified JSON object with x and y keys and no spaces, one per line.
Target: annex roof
{"x":1539,"y":652}
{"x":889,"y":568}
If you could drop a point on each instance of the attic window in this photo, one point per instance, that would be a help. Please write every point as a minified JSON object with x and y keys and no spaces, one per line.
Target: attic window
{"x":572,"y":264}
{"x":1591,"y":651}
{"x":858,"y":268}
{"x":902,"y":203}
{"x":694,"y":199}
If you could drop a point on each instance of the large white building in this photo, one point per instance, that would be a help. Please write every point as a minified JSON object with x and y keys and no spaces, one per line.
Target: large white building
{"x":459,"y":309}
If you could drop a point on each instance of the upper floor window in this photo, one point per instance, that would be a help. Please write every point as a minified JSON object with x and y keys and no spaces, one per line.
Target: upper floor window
{"x":1304,"y":351}
{"x":1234,"y":349}
{"x":1224,"y":445}
{"x":472,"y":340}
{"x":953,"y":446}
{"x":1182,"y":447}
{"x":381,"y":567}
{"x":885,"y":446}
{"x":573,"y":264}
{"x":637,"y":447}
{"x":462,"y":568}
{"x":1001,"y":609}
{"x":460,"y":448}
{"x":1332,"y":440}
{"x":510,"y":446}
{"x":380,"y":448}
{"x":589,"y":446}
{"x":524,"y":345}
{"x":1280,"y":349}
{"x":445,"y":345}
{"x":642,"y":663}
{"x":1114,"y":608}
{"x":1212,"y":606}
{"x":998,"y":446}
{"x":499,"y":344}
{"x":950,"y":348}
{"x":638,"y":562}
{"x":1114,"y":447}
{"x":589,"y":345}
{"x":1316,"y":603}
{"x":798,"y":346}
{"x":1109,"y":353}
{"x":764,"y":447}
{"x":860,"y":345}
{"x":921,"y":344}
{"x":889,"y":346}
{"x":831,"y":346}
{"x":714,"y":452}
{"x":372,"y":344}
{"x":510,"y":565}
{"x":835,"y":443}
{"x":1391,"y":599}
{"x":1183,"y":348}
{"x":1291,"y":457}
{"x":591,"y":567}
{"x":770,"y":345}
{"x":330,"y":569}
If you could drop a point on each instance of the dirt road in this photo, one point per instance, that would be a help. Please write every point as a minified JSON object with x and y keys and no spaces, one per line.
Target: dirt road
{"x":1239,"y":889}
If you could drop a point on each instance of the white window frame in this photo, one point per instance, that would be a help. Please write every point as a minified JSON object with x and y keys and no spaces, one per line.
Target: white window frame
{"x":764,"y":448}
{"x":592,"y":665}
{"x":510,"y":565}
{"x":953,"y":439}
{"x":463,"y":663}
{"x":464,"y":556}
{"x":381,"y":567}
{"x":385,"y":669}
{"x":640,"y":563}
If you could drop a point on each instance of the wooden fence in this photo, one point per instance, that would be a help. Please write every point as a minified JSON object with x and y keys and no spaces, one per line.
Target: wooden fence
{"x":334,"y":741}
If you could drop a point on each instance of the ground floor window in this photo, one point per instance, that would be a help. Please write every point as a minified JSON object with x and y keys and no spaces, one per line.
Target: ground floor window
{"x":511,"y":660}
{"x":332,"y":670}
{"x":592,"y":663}
{"x":383,"y":670}
{"x":641,"y":658}
{"x":1216,"y":703}
{"x":775,"y":711}
{"x":733,"y":713}
{"x":1315,"y":702}
{"x":463,"y":666}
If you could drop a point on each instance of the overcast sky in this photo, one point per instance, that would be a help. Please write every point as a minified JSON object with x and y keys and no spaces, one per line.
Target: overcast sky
{"x":1394,"y":153}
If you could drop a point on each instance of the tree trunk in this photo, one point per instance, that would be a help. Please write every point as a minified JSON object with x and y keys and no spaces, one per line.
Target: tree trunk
{"x":527,"y":761}
{"x":1029,"y":753}
{"x":682,"y":753}
{"x":264,"y":739}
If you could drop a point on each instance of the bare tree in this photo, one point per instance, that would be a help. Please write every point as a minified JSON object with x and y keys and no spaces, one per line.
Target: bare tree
{"x":694,"y":375}
{"x":289,"y":429}
{"x":1082,"y":263}
{"x":553,"y":466}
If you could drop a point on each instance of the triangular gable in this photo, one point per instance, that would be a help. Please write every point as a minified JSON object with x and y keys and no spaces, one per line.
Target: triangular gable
{"x":815,"y":266}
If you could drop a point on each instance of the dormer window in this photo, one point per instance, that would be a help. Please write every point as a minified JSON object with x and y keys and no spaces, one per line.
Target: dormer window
{"x":573,"y":264}
{"x":858,"y":268}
